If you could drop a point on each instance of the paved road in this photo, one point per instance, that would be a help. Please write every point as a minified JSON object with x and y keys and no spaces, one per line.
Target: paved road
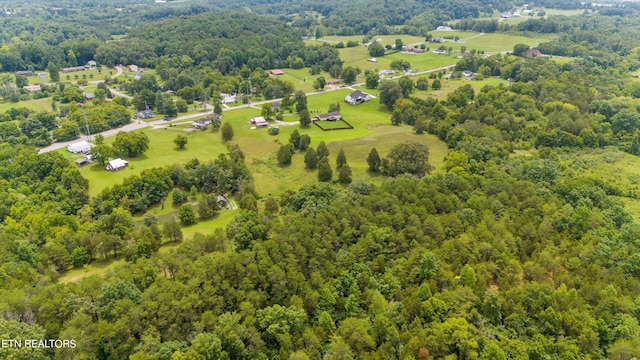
{"x":137,"y":124}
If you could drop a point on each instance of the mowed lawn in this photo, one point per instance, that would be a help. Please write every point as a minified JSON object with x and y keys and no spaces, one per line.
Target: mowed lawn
{"x":372,"y":128}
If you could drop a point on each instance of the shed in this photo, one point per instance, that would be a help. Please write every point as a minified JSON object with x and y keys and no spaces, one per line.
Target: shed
{"x":276,"y":72}
{"x":79,"y":147}
{"x":116,"y":164}
{"x":82,"y":161}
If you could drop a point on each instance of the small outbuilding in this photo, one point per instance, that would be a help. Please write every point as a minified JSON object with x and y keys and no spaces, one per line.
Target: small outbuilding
{"x":79,"y":147}
{"x":259,"y":122}
{"x":116,"y":164}
{"x":276,"y":72}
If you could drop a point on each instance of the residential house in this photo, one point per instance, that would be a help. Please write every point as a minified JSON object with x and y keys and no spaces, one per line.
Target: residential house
{"x":146,"y":114}
{"x":88,"y":96}
{"x":133,"y":68}
{"x":373,"y":60}
{"x":79,"y":147}
{"x":24,"y":73}
{"x":357,"y":97}
{"x":386,"y":72}
{"x":332,"y":116}
{"x":32,"y":87}
{"x":228,"y":98}
{"x":137,"y":76}
{"x":201,"y":124}
{"x":116,"y":164}
{"x":259,"y":122}
{"x":440,"y":52}
{"x":276,"y":72}
{"x":92,"y":63}
{"x":443,"y":28}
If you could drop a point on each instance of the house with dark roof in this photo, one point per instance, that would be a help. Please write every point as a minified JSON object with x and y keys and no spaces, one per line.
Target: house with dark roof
{"x":146,"y":114}
{"x":357,"y":97}
{"x":332,"y":116}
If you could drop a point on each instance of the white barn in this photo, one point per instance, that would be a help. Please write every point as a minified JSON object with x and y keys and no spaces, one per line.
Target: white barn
{"x":79,"y":147}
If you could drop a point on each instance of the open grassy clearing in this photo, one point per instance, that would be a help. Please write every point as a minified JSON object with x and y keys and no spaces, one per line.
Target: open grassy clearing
{"x":370,"y":120}
{"x":616,"y":168}
{"x":96,"y":268}
{"x":449,"y":85}
{"x":43,"y":104}
{"x":386,"y":39}
{"x":358,"y":57}
{"x":489,"y":43}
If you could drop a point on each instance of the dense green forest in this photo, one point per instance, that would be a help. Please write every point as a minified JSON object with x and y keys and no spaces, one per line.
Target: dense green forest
{"x":506,"y":251}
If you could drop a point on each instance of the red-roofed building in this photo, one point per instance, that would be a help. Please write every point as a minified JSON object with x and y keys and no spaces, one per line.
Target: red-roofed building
{"x":276,"y":72}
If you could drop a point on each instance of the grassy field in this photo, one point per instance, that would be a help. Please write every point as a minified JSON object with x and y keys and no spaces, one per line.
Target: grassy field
{"x":43,"y":104}
{"x":371,"y":127}
{"x":386,"y":39}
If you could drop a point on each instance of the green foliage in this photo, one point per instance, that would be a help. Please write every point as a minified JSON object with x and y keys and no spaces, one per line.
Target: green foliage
{"x":390,"y":92}
{"x":311,"y":159}
{"x":322,"y":150}
{"x":371,"y":80}
{"x":186,"y":215}
{"x":131,"y":143}
{"x":180,"y":141}
{"x":227,"y":132}
{"x":408,"y":158}
{"x":373,"y":160}
{"x":305,"y":118}
{"x":284,"y":156}
{"x":520,"y":49}
{"x":324,"y":169}
{"x":376,"y":49}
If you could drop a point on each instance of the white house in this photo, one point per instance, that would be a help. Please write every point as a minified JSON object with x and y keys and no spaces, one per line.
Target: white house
{"x":357,"y":97}
{"x":201,"y":124}
{"x":444,"y":28}
{"x":79,"y":147}
{"x":228,"y":98}
{"x":116,"y":164}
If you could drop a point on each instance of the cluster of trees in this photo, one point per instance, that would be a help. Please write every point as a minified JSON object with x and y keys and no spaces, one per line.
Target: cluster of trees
{"x":479,"y":262}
